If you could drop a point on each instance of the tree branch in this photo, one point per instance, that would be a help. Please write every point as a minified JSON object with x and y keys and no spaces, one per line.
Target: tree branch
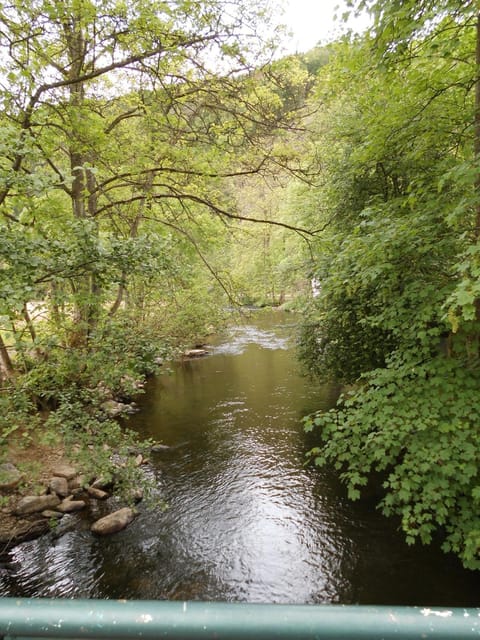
{"x":205,"y":203}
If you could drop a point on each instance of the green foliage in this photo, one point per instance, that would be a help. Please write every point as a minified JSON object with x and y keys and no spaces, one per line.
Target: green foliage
{"x":101,"y":447}
{"x":338,"y":344}
{"x":113,"y":193}
{"x":120,"y":139}
{"x":266,"y":263}
{"x":17,"y":415}
{"x":417,"y":424}
{"x":397,"y":262}
{"x":315,"y":59}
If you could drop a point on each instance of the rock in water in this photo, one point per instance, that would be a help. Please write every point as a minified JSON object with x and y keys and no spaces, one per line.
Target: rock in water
{"x":69,"y":505}
{"x":113,"y":408}
{"x":159,"y":448}
{"x":113,"y":522}
{"x":195,"y":353}
{"x":23,"y":532}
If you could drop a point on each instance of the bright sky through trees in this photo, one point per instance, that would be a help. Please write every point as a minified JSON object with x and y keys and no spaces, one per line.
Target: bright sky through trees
{"x":313,"y":21}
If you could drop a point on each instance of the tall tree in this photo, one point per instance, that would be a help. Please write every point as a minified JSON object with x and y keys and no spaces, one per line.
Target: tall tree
{"x":120,"y":124}
{"x":399,"y":269}
{"x":128,"y":111}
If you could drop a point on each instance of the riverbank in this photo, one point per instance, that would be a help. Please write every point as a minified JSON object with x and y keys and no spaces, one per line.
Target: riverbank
{"x":27,"y":471}
{"x":39,"y":485}
{"x":39,"y":467}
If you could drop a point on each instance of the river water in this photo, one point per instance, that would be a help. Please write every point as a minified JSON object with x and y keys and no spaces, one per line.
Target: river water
{"x":247,"y":520}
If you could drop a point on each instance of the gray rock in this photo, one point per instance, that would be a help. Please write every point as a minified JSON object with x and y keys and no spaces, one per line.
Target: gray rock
{"x":69,"y":506}
{"x":113,"y":408}
{"x":195,"y":353}
{"x":10,"y":476}
{"x":59,"y":486}
{"x":159,"y":448}
{"x":52,"y":515}
{"x":113,"y":522}
{"x":34,"y":504}
{"x":102,"y":483}
{"x":65,"y":471}
{"x":78,"y":482}
{"x":98,"y":494}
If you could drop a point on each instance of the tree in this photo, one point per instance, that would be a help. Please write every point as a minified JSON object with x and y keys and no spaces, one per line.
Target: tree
{"x":400,"y":247}
{"x":119,"y":114}
{"x":121,"y":125}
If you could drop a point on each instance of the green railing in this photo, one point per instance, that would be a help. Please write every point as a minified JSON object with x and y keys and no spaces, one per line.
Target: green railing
{"x":56,"y":618}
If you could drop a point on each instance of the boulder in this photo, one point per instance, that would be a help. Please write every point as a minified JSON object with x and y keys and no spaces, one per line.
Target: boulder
{"x":98,"y":494}
{"x":69,"y":506}
{"x":24,"y":531}
{"x":159,"y":448}
{"x":113,"y":408}
{"x":52,"y":515}
{"x":10,"y":476}
{"x":195,"y":353}
{"x":102,"y":483}
{"x":64,"y":471}
{"x":78,"y":482}
{"x":59,"y":485}
{"x":34,"y":504}
{"x":113,"y":522}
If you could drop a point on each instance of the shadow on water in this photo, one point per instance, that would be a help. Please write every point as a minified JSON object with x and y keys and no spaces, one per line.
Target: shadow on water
{"x":247,"y":519}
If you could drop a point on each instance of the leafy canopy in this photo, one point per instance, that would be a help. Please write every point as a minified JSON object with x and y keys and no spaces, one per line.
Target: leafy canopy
{"x":397,"y":262}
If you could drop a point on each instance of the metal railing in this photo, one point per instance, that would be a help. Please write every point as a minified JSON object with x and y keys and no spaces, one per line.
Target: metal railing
{"x":118,"y":619}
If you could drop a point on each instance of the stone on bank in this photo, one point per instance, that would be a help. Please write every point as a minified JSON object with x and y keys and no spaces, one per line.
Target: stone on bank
{"x":34,"y":504}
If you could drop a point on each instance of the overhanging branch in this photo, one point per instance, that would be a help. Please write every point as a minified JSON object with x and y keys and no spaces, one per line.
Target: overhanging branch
{"x":181,"y":197}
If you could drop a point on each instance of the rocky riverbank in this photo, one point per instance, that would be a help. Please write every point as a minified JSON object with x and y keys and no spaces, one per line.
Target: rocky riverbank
{"x":32,"y":506}
{"x":39,"y":485}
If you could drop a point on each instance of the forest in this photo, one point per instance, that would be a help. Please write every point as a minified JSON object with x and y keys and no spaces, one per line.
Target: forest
{"x":161,"y":162}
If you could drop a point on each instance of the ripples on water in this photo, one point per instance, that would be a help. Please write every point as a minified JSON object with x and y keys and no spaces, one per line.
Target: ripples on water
{"x":243,"y":335}
{"x":247,"y":520}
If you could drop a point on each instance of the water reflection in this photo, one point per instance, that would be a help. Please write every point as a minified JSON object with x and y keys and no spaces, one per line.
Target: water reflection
{"x":247,"y":521}
{"x":52,"y":568}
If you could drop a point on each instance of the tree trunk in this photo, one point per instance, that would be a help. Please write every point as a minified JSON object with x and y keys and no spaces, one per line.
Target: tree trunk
{"x":7,"y":370}
{"x":122,"y":288}
{"x":32,"y":332}
{"x":119,"y":299}
{"x":83,"y":191}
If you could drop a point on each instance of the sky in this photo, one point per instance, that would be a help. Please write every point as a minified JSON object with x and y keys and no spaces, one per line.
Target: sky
{"x":312,"y":21}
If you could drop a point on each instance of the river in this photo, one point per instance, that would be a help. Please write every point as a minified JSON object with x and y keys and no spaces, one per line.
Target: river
{"x":247,"y":519}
